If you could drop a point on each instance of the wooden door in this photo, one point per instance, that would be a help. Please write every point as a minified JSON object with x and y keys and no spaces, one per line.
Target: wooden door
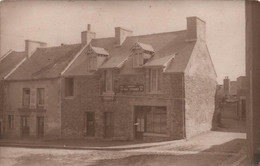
{"x":140,"y":121}
{"x":109,"y":124}
{"x":25,"y":129}
{"x":40,"y":127}
{"x":90,"y":123}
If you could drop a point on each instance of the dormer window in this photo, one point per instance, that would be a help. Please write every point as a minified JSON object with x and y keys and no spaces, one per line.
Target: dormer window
{"x":141,"y":54}
{"x":96,"y":57}
{"x":92,"y":62}
{"x":138,"y":60}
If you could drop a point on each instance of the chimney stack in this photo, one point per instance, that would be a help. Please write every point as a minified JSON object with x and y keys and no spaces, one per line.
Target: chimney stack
{"x":31,"y":46}
{"x":87,"y":36}
{"x":196,"y":29}
{"x":226,"y":84}
{"x":121,"y":34}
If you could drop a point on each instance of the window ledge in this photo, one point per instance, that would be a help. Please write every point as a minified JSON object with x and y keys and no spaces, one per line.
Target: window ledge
{"x":32,"y":109}
{"x":69,"y":97}
{"x":108,"y":95}
{"x":155,"y":93}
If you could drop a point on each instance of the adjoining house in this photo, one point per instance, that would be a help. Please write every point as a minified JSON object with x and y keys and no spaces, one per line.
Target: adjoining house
{"x":156,"y":86}
{"x":8,"y":63}
{"x":235,"y":93}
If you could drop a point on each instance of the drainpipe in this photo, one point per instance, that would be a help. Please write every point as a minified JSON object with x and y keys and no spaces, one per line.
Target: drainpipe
{"x":183,"y":106}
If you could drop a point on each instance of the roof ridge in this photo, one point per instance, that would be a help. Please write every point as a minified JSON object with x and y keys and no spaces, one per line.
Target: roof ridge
{"x":158,"y":33}
{"x":59,"y":46}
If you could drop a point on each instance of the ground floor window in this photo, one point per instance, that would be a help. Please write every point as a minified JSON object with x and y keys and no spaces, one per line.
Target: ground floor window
{"x":10,"y":121}
{"x":156,"y":120}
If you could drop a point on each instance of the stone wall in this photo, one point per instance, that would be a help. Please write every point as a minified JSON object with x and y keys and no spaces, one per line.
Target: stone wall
{"x":88,"y":98}
{"x":200,"y":87}
{"x":51,"y":111}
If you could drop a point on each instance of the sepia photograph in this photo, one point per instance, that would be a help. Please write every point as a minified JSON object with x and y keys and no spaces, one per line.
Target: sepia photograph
{"x":129,"y":83}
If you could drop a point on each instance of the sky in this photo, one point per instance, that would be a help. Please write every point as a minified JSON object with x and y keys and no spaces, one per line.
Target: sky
{"x":56,"y":22}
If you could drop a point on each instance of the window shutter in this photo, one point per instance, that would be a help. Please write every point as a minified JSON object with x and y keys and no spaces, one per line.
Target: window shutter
{"x":33,"y":98}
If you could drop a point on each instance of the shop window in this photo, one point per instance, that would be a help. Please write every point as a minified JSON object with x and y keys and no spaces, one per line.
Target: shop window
{"x":69,"y":87}
{"x":40,"y":97}
{"x":26,"y":97}
{"x":92,"y":62}
{"x":156,"y":120}
{"x":10,"y":121}
{"x":154,"y":80}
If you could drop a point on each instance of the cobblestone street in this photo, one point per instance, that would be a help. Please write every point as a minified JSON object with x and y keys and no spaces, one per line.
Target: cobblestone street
{"x":213,"y":148}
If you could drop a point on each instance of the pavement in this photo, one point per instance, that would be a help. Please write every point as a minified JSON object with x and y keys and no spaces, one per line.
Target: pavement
{"x":212,"y":148}
{"x":83,"y":144}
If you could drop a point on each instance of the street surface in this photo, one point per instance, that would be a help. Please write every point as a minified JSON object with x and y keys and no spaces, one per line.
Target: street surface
{"x":209,"y":149}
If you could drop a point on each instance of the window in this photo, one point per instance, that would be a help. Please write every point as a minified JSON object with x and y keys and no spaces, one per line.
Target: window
{"x":156,"y":120}
{"x":92,"y":62}
{"x":69,"y":87}
{"x":10,"y":121}
{"x":40,"y":97}
{"x":138,"y":60}
{"x":26,"y":97}
{"x":109,"y":80}
{"x":154,"y":80}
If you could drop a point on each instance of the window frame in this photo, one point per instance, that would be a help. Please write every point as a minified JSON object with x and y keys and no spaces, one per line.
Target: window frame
{"x":92,"y":62}
{"x":151,"y":123}
{"x":29,"y":98}
{"x":111,"y":88}
{"x":138,"y":59}
{"x":66,"y":86}
{"x":38,"y":98}
{"x":154,"y":83}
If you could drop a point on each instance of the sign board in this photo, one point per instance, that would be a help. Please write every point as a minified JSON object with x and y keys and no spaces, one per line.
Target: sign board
{"x":131,"y":88}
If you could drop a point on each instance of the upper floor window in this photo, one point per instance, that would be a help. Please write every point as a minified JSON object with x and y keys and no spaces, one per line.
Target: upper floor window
{"x":92,"y":62}
{"x":154,"y":80}
{"x":26,"y":97}
{"x":109,"y":80}
{"x":40,"y":97}
{"x":69,"y":87}
{"x":138,"y":60}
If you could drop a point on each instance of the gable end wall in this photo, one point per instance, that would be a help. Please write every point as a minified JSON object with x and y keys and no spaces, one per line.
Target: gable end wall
{"x":200,"y":86}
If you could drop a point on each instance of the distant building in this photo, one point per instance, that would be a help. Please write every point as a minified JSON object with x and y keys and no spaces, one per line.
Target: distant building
{"x":122,"y":87}
{"x":235,"y":91}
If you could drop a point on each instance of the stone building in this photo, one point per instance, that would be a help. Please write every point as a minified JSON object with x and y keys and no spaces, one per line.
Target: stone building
{"x":156,"y":86}
{"x":8,"y":63}
{"x":235,"y":93}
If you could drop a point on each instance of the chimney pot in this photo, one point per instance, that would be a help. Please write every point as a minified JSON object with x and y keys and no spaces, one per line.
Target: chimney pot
{"x":87,"y":36}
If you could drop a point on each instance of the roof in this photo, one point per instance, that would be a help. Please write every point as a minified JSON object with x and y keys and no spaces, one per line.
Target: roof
{"x":99,"y":50}
{"x":146,"y":47}
{"x":160,"y":61}
{"x":46,"y":62}
{"x":163,"y":44}
{"x":10,"y":61}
